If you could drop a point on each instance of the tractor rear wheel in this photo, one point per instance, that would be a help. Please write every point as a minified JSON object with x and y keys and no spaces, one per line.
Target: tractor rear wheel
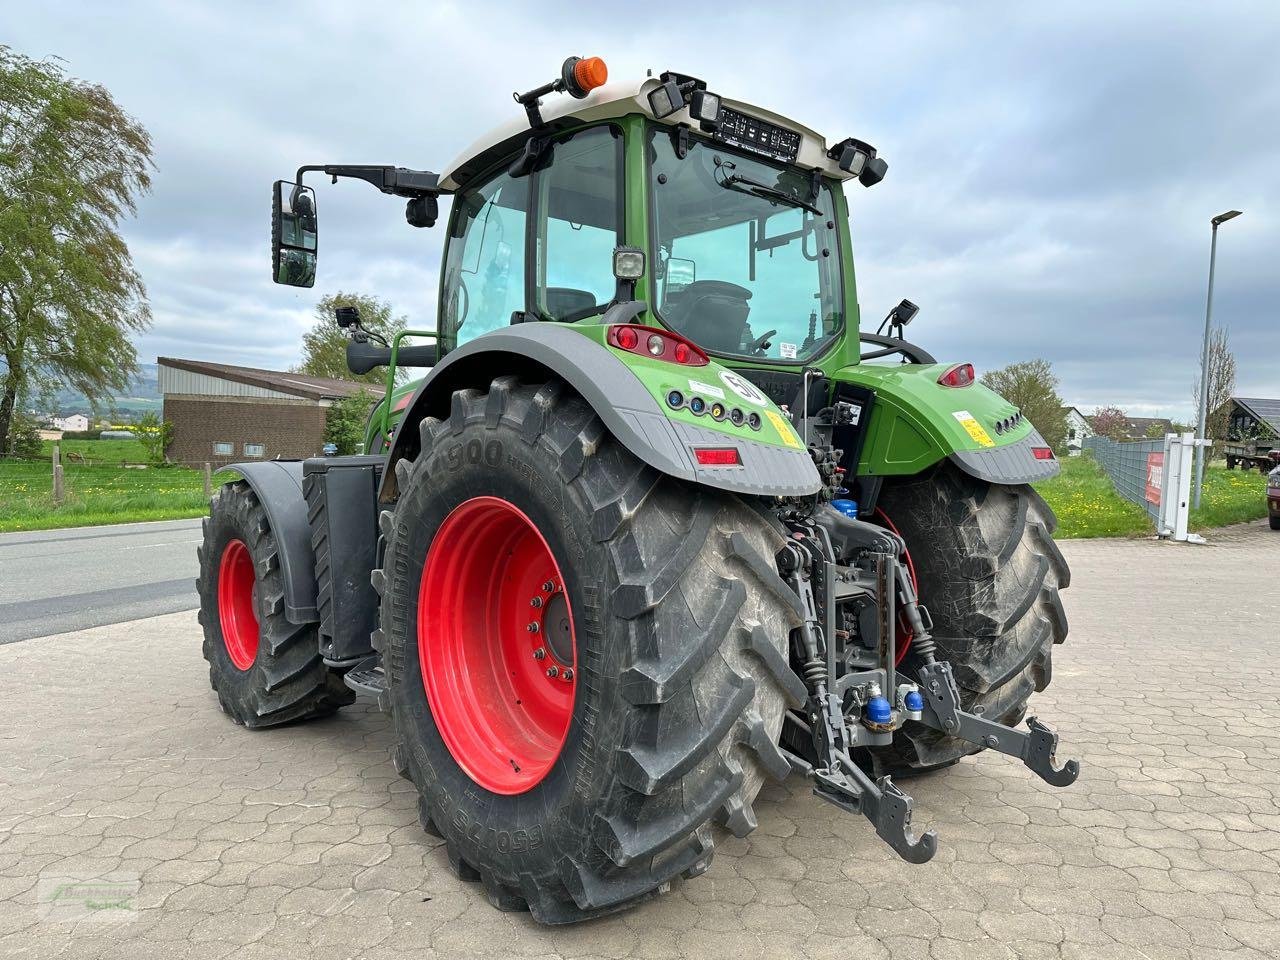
{"x":580,"y":654}
{"x":989,"y":574}
{"x":265,"y":669}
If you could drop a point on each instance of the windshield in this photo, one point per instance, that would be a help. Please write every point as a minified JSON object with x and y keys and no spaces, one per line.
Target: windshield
{"x":745,"y":252}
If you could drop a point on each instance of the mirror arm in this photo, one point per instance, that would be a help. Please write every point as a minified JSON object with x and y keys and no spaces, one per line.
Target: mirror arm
{"x":399,"y":181}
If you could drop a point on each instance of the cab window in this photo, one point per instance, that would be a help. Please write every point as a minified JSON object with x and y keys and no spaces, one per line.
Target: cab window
{"x":581,"y":222}
{"x":484,"y":275}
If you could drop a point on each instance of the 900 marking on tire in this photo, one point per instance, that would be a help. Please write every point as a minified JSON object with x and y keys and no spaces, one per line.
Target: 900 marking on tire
{"x":672,"y":713}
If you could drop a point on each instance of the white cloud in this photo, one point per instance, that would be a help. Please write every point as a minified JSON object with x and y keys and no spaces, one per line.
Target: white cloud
{"x":1052,"y":168}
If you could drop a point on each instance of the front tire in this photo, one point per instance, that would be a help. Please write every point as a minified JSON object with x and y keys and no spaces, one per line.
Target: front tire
{"x":265,"y":669}
{"x":989,"y":574}
{"x":674,"y":713}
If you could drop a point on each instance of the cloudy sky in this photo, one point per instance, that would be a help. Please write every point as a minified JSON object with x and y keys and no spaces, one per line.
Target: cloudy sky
{"x":1053,"y":167}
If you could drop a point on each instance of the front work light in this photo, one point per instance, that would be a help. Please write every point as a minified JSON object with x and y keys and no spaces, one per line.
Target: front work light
{"x":705,"y":107}
{"x":665,"y":99}
{"x":857,"y":157}
{"x":628,"y":263}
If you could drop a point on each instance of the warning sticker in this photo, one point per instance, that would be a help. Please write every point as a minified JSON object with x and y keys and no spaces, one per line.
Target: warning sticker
{"x":787,"y":351}
{"x":697,"y":386}
{"x":784,"y":429}
{"x":973,"y":428}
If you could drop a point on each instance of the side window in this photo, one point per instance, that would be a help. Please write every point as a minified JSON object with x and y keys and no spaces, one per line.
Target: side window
{"x":581,"y":226}
{"x":484,"y":268}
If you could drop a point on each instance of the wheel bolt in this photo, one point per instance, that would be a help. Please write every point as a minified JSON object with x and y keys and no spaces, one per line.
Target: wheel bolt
{"x":540,"y":654}
{"x":533,"y":626}
{"x":535,"y":602}
{"x":568,"y":673}
{"x":553,"y":671}
{"x":548,"y":587}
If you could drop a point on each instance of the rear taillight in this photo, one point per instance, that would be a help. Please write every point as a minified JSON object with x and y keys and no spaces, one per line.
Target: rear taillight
{"x":961,"y":375}
{"x":655,"y":343}
{"x":718,"y":456}
{"x":1042,"y":453}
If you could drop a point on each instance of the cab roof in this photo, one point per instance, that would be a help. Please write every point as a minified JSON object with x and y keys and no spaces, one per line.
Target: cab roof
{"x":560,"y":111}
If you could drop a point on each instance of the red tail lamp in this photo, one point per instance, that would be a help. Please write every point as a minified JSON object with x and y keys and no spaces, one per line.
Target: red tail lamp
{"x":718,"y":456}
{"x":1042,"y":453}
{"x":961,"y":375}
{"x":657,"y":344}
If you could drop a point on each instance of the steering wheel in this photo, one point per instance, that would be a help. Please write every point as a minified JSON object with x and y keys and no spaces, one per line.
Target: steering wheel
{"x":759,"y":344}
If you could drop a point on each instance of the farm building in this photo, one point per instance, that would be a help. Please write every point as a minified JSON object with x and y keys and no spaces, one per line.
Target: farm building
{"x":1078,"y":430}
{"x":1252,"y":418}
{"x":77,"y":421}
{"x":223,"y":414}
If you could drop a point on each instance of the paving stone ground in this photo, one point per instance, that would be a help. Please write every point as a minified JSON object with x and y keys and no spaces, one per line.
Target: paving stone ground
{"x":115,"y":761}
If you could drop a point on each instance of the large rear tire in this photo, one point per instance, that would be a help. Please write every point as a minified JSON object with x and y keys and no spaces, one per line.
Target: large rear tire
{"x":989,"y":574}
{"x":265,"y":669}
{"x":676,"y":622}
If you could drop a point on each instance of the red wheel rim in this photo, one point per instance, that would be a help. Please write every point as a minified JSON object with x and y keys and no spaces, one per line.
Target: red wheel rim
{"x":905,"y":634}
{"x":496,"y":645}
{"x":239,"y":619}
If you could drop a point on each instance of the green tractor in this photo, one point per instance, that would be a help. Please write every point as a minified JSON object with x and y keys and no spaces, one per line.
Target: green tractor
{"x":660,"y":522}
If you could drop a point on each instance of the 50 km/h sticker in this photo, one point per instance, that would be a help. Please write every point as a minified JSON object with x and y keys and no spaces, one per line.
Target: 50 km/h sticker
{"x":973,"y":428}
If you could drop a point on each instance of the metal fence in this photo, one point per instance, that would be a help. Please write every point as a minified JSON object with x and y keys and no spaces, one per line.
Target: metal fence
{"x":1128,"y":466}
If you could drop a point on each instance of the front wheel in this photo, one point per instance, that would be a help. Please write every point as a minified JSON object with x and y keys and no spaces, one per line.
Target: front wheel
{"x":989,"y":574}
{"x":579,"y":654}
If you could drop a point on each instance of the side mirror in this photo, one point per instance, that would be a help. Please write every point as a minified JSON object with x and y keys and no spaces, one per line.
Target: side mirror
{"x":293,"y":234}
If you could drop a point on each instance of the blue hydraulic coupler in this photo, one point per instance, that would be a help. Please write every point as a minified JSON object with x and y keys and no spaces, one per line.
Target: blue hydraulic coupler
{"x":878,"y":710}
{"x":913,"y":702}
{"x":848,"y":507}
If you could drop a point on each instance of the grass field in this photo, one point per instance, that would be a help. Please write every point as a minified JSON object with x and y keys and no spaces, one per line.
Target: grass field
{"x":98,"y":493}
{"x":100,"y":490}
{"x":114,"y":452}
{"x":1088,"y":506}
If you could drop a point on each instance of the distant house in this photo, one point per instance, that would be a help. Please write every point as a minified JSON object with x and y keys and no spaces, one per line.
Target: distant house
{"x":1250,"y":417}
{"x":1078,"y":430}
{"x":77,"y":421}
{"x":224,"y":414}
{"x":1144,"y":428}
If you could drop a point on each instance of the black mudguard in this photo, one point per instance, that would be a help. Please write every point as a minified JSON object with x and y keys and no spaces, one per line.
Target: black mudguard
{"x":278,"y":486}
{"x":628,"y":410}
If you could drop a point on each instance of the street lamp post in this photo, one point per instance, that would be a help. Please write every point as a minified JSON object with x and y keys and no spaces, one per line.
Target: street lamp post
{"x":1217,"y":221}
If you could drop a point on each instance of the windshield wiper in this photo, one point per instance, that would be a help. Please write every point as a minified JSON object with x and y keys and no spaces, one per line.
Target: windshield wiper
{"x":744,"y":184}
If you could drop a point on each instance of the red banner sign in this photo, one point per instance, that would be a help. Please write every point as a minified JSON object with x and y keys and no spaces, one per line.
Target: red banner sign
{"x":1155,"y":476}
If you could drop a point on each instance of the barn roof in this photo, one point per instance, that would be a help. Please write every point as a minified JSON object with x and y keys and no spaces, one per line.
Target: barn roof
{"x":282,"y":381}
{"x":1266,"y":411}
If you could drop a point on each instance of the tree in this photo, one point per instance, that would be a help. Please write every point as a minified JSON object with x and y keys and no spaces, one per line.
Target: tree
{"x":1110,"y":422}
{"x":1032,"y":387}
{"x":24,"y":437}
{"x":1222,"y":384}
{"x":1155,"y":431}
{"x":72,"y":164}
{"x":324,"y":346}
{"x":154,"y":434}
{"x":345,"y":421}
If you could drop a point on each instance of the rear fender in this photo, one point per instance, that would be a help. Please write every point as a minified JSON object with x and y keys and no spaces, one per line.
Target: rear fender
{"x":622,"y":400}
{"x":916,"y":422}
{"x":278,"y":486}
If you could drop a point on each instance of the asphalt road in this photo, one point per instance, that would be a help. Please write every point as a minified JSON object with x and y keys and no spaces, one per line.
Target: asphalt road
{"x":54,"y":581}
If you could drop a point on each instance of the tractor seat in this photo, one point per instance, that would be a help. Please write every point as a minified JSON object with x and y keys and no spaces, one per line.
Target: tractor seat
{"x":711,"y":313}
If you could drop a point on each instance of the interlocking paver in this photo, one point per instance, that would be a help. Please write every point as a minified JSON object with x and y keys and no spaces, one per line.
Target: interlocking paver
{"x":303,"y":842}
